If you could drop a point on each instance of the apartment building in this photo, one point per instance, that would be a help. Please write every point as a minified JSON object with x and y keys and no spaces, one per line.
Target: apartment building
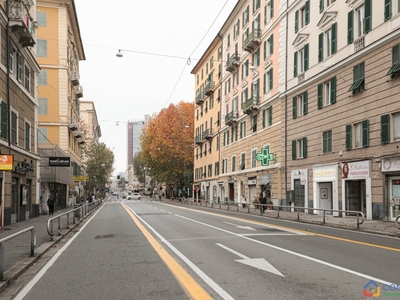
{"x":342,"y":108}
{"x":19,"y":178}
{"x":61,"y":130}
{"x":251,"y":157}
{"x":207,"y":121}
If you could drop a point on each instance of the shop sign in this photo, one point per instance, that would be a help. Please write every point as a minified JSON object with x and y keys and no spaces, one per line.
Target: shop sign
{"x":359,"y":169}
{"x":303,"y":181}
{"x":6,"y":162}
{"x":391,"y":164}
{"x":59,"y":161}
{"x":252,"y":182}
{"x":81,"y":178}
{"x":325,"y":171}
{"x":265,"y":179}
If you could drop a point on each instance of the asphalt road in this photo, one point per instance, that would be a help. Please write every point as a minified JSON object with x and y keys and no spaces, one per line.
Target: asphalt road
{"x":135,"y":249}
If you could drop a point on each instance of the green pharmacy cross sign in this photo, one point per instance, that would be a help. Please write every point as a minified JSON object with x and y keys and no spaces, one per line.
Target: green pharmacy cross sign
{"x":265,"y":156}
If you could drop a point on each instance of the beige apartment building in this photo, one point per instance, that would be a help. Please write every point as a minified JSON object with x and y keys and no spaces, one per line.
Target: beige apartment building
{"x":207,"y":120}
{"x":61,"y":130}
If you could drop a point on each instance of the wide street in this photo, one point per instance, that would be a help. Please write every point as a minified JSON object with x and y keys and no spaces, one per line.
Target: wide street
{"x":153,"y":250}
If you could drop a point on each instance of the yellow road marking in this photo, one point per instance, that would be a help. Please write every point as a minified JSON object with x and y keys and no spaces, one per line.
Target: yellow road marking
{"x":187,"y":281}
{"x":297,"y":230}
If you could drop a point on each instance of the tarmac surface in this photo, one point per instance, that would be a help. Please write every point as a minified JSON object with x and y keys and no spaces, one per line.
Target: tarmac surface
{"x":17,"y":259}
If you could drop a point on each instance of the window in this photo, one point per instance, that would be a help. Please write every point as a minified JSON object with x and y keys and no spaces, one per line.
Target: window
{"x":387,"y":124}
{"x":327,"y":93}
{"x":209,"y":170}
{"x":19,"y":67}
{"x":42,"y":79}
{"x":4,"y":121}
{"x":327,"y":43}
{"x":245,"y":69}
{"x":216,"y":169}
{"x":300,"y":105}
{"x":358,"y":79}
{"x":233,"y":163}
{"x":224,"y":166}
{"x":254,"y":123}
{"x":243,"y":129}
{"x":360,"y":132}
{"x":245,"y":95}
{"x":227,"y":86}
{"x":256,"y":58}
{"x":41,"y":18}
{"x":42,"y":106}
{"x":324,"y":2}
{"x":270,"y":79}
{"x":301,"y":60}
{"x":236,"y":78}
{"x":228,"y":40}
{"x":234,"y":133}
{"x":27,"y":135}
{"x":302,"y":17}
{"x":299,"y":148}
{"x":226,"y":138}
{"x":396,"y":126}
{"x":11,"y":57}
{"x":267,"y":117}
{"x":256,"y":5}
{"x":236,"y":29}
{"x":254,"y":158}
{"x":27,"y":79}
{"x":327,"y":142}
{"x":42,"y":48}
{"x":243,"y":161}
{"x":42,"y":135}
{"x":359,"y":21}
{"x":268,"y":11}
{"x":245,"y":17}
{"x":395,"y":68}
{"x":14,"y":127}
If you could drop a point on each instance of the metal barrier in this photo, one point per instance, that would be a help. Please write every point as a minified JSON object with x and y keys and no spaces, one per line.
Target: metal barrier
{"x":259,"y":206}
{"x":397,"y":222}
{"x":3,"y":240}
{"x":78,"y":212}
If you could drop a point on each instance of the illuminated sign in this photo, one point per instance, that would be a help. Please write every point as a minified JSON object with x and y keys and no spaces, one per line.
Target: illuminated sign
{"x":6,"y":162}
{"x":265,"y":156}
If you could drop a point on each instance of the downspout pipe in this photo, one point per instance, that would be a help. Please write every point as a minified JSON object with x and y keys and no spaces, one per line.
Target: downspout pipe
{"x":286,"y":96}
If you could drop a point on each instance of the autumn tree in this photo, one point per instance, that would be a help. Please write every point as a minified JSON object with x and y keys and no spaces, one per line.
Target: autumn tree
{"x":167,"y":144}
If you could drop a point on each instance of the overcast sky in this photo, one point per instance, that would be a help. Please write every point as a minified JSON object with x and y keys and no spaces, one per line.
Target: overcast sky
{"x":128,"y":88}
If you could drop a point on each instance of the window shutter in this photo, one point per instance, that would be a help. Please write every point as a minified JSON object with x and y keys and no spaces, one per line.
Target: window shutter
{"x":321,"y":6}
{"x":294,"y":112}
{"x":388,"y":9}
{"x":307,"y":17}
{"x":350,"y":33}
{"x":271,"y":79}
{"x":368,"y":16}
{"x":294,"y":154}
{"x":385,"y":129}
{"x":306,"y":57}
{"x":295,"y":65}
{"x":271,"y":44}
{"x":305,"y":102}
{"x":264,"y":113}
{"x":348,"y":137}
{"x":296,"y":21}
{"x":270,"y":116}
{"x":265,"y":50}
{"x":319,"y":104}
{"x":305,"y":147}
{"x":321,"y":47}
{"x":258,"y":89}
{"x":333,"y":90}
{"x":4,"y":120}
{"x":365,"y":133}
{"x":272,"y":9}
{"x":334,"y":38}
{"x":265,"y":84}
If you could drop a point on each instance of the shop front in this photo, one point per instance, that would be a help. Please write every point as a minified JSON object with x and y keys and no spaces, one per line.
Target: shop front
{"x":299,"y":183}
{"x":390,"y":167}
{"x":325,"y":188}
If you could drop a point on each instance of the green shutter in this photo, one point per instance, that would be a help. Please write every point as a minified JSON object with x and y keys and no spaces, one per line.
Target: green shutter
{"x":365,"y":133}
{"x":264,"y":113}
{"x":385,"y":129}
{"x":272,"y":9}
{"x":294,"y":111}
{"x":321,"y":6}
{"x":348,"y":137}
{"x":294,"y":154}
{"x":333,"y":90}
{"x":296,"y":21}
{"x":388,"y":9}
{"x":368,"y":16}
{"x":4,"y":120}
{"x":321,"y":47}
{"x":334,"y":38}
{"x":304,"y":147}
{"x":295,"y":65}
{"x":307,"y":13}
{"x":265,"y":50}
{"x":320,"y":87}
{"x":265,"y":84}
{"x":305,"y":102}
{"x":306,"y":54}
{"x":271,"y":44}
{"x":270,"y":116}
{"x":350,"y":33}
{"x":271,"y":79}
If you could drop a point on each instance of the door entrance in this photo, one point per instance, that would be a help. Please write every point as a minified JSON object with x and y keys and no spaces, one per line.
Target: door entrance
{"x":299,"y":194}
{"x":325,"y":196}
{"x":355,"y":196}
{"x":231,"y":192}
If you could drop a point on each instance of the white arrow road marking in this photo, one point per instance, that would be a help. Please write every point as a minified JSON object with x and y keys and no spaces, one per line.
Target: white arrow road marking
{"x":239,"y":226}
{"x":259,"y":263}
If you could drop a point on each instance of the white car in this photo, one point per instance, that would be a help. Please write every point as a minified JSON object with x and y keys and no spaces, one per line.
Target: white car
{"x":134,"y":196}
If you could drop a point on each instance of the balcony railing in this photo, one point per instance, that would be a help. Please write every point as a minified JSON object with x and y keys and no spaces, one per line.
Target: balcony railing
{"x":73,"y":124}
{"x":233,"y":63}
{"x":78,"y":91}
{"x":21,"y":24}
{"x":209,"y":88}
{"x":75,"y":78}
{"x":198,"y":139}
{"x":250,"y":105}
{"x":200,"y":98}
{"x":207,"y":134}
{"x":231,"y":118}
{"x":252,"y":41}
{"x":359,"y":43}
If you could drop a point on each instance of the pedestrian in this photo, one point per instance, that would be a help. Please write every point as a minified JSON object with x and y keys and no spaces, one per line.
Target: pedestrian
{"x":50,"y":203}
{"x":263,"y":202}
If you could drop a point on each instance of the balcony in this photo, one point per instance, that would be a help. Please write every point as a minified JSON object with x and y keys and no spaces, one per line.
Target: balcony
{"x":231,"y":118}
{"x":75,"y":78}
{"x":208,"y":134}
{"x":20,"y":23}
{"x":233,"y":63}
{"x":199,"y":140}
{"x":209,"y":88}
{"x":200,"y":98}
{"x":78,"y":91}
{"x":251,"y":105}
{"x":359,"y":43}
{"x":73,"y":124}
{"x":252,"y":42}
{"x":78,"y":133}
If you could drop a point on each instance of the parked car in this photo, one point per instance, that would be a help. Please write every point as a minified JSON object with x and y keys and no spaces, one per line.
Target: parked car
{"x":134,"y":196}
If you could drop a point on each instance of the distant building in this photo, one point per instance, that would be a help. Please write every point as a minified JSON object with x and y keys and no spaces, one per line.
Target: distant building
{"x":134,"y":131}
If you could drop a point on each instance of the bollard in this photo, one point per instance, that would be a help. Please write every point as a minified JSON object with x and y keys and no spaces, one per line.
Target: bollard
{"x":323,"y":220}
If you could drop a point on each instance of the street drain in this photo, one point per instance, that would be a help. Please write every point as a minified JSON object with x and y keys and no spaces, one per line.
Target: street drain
{"x":106,"y":236}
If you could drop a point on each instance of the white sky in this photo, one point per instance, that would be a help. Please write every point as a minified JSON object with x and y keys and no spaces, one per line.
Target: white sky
{"x":128,"y":88}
